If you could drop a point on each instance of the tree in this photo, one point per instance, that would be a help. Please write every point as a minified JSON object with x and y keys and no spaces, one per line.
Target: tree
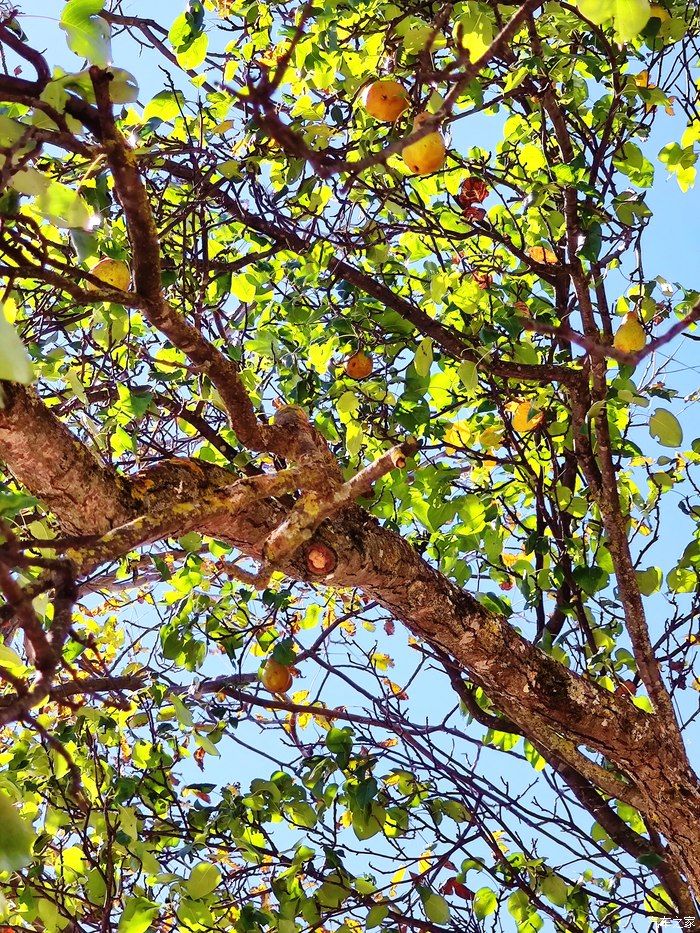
{"x":268,"y":392}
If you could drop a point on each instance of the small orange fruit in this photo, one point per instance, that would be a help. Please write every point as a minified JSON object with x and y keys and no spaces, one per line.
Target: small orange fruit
{"x":630,"y":336}
{"x":113,"y":272}
{"x":359,"y":365}
{"x":276,"y":677}
{"x":426,"y":155}
{"x":385,"y":100}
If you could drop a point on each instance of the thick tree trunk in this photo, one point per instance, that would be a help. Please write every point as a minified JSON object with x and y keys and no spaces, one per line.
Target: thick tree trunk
{"x":672,"y":807}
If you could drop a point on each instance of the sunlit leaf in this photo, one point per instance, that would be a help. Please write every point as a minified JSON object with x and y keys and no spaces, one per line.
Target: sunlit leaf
{"x":666,"y":428}
{"x":16,"y":837}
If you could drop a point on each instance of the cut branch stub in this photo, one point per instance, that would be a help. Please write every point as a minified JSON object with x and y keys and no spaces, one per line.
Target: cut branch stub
{"x":321,"y":560}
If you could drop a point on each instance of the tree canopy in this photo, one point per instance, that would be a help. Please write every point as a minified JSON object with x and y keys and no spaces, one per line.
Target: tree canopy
{"x":349,"y":535}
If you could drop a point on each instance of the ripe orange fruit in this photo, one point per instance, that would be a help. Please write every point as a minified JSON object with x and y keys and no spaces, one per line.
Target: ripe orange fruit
{"x":112,"y":272}
{"x":276,"y":677}
{"x":385,"y":100}
{"x":426,"y":155}
{"x":630,"y":336}
{"x":359,"y":365}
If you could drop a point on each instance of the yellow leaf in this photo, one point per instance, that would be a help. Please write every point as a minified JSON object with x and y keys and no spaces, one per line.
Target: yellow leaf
{"x":491,"y":437}
{"x":525,"y":417}
{"x":395,"y":688}
{"x":396,"y":879}
{"x":382,"y":661}
{"x":457,"y":436}
{"x":322,"y":722}
{"x":543,"y":255}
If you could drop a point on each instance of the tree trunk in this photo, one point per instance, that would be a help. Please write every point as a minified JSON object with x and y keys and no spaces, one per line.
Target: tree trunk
{"x":672,"y":807}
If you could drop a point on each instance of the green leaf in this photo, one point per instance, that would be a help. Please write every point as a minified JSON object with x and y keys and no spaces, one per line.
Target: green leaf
{"x":435,"y":906}
{"x":283,"y":652}
{"x":555,"y":890}
{"x":72,"y":378}
{"x":64,"y":207}
{"x":194,"y":54}
{"x":533,"y":756}
{"x":206,"y":743}
{"x":123,"y":88}
{"x":243,"y":288}
{"x":137,"y":915}
{"x":16,"y":837}
{"x":339,"y":743}
{"x":184,"y":716}
{"x":10,"y":660}
{"x":204,"y":877}
{"x":666,"y":428}
{"x":417,"y":35}
{"x":301,"y":814}
{"x":354,"y":436}
{"x":649,"y":580}
{"x":29,"y":181}
{"x":629,"y":16}
{"x":11,"y":131}
{"x":376,"y":915}
{"x":166,"y":106}
{"x":468,"y":373}
{"x":191,"y":542}
{"x":518,"y":906}
{"x":682,"y":580}
{"x":474,"y":30}
{"x":650,"y":860}
{"x":15,"y":365}
{"x":77,"y":10}
{"x":423,"y":357}
{"x":485,"y":903}
{"x":87,"y":35}
{"x":367,"y":827}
